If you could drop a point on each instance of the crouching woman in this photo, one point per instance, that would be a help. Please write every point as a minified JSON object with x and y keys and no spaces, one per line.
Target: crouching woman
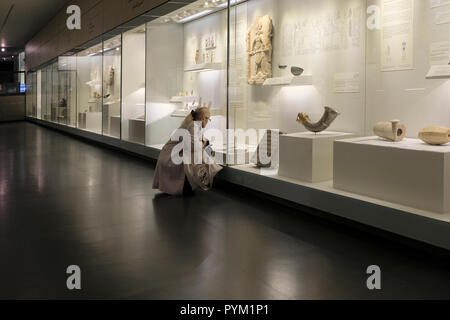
{"x":183,"y":164}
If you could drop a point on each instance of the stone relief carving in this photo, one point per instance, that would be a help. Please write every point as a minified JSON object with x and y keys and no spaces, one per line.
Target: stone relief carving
{"x":259,"y":50}
{"x":391,"y":130}
{"x":435,"y":135}
{"x":327,"y":119}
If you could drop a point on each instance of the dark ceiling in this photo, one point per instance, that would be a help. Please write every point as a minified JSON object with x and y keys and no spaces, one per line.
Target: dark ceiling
{"x":20,"y":20}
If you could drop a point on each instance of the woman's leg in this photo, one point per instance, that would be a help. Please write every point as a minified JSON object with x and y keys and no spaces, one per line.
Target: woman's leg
{"x":187,"y":188}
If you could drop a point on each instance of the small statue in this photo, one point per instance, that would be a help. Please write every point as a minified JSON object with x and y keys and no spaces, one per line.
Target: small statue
{"x":197,"y":56}
{"x":327,"y":119}
{"x":435,"y":135}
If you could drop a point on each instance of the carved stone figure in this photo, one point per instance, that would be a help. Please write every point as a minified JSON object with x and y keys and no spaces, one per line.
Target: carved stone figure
{"x":327,"y":119}
{"x":435,"y":135}
{"x":391,"y":130}
{"x":259,"y":50}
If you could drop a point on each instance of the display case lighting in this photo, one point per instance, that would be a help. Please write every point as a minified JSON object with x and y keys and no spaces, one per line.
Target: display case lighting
{"x":195,"y":16}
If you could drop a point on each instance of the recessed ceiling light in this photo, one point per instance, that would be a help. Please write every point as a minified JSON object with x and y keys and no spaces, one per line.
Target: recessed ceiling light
{"x":3,"y":49}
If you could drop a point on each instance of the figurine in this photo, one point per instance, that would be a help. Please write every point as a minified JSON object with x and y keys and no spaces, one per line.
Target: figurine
{"x":197,"y":56}
{"x":391,"y":130}
{"x":327,"y":119}
{"x":435,"y":135}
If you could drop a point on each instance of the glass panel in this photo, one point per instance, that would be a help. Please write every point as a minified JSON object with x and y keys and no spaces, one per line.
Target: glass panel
{"x":43,"y":93}
{"x":67,"y":90}
{"x":133,"y":85}
{"x":39,"y":94}
{"x":48,"y":92}
{"x":89,"y":89}
{"x":55,"y":115}
{"x":289,"y":56}
{"x":29,"y":95}
{"x":34,"y":94}
{"x":112,"y":56}
{"x":186,"y":69}
{"x":407,"y":74}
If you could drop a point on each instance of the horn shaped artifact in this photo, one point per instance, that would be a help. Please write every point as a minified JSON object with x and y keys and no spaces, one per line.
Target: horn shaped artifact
{"x":327,"y":119}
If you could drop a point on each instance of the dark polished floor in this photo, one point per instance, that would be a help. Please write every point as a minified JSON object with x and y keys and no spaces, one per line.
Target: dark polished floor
{"x":67,"y":202}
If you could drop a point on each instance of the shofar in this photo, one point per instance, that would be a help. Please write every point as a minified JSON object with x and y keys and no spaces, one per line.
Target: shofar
{"x":435,"y":135}
{"x":327,"y":119}
{"x":391,"y":130}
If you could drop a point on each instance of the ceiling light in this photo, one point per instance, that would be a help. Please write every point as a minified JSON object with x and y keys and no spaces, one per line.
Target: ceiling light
{"x":3,"y":49}
{"x":195,"y":16}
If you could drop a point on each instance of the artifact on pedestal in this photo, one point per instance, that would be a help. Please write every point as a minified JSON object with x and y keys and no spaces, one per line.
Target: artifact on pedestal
{"x":435,"y":135}
{"x":259,"y":50}
{"x":391,"y":130}
{"x":267,"y":148}
{"x":297,"y":71}
{"x":327,"y":119}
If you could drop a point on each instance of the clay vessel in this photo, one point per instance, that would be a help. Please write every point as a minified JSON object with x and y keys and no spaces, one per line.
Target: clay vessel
{"x":435,"y":135}
{"x":327,"y":119}
{"x":391,"y":130}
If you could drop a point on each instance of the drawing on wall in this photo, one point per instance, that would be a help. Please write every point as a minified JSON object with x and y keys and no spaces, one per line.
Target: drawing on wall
{"x":259,"y":50}
{"x":330,"y":31}
{"x":397,"y":35}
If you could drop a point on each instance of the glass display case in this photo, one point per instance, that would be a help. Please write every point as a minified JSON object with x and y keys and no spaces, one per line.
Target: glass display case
{"x":89,"y":88}
{"x":38,"y":94}
{"x":112,"y":68}
{"x":31,"y":94}
{"x":56,"y":112}
{"x":311,"y":85}
{"x":186,"y":68}
{"x":66,"y":107}
{"x":46,"y":93}
{"x":133,"y":85}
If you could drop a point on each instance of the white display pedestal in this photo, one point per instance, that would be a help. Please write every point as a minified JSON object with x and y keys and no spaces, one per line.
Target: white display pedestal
{"x":136,"y":129}
{"x":307,"y":156}
{"x":94,"y":121}
{"x":115,"y":126}
{"x":91,"y":121}
{"x":409,"y":172}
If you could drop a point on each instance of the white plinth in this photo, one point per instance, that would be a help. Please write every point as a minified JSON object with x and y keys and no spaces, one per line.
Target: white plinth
{"x":115,"y":126}
{"x":91,"y":121}
{"x":136,"y":130}
{"x":409,"y":172}
{"x":307,"y":156}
